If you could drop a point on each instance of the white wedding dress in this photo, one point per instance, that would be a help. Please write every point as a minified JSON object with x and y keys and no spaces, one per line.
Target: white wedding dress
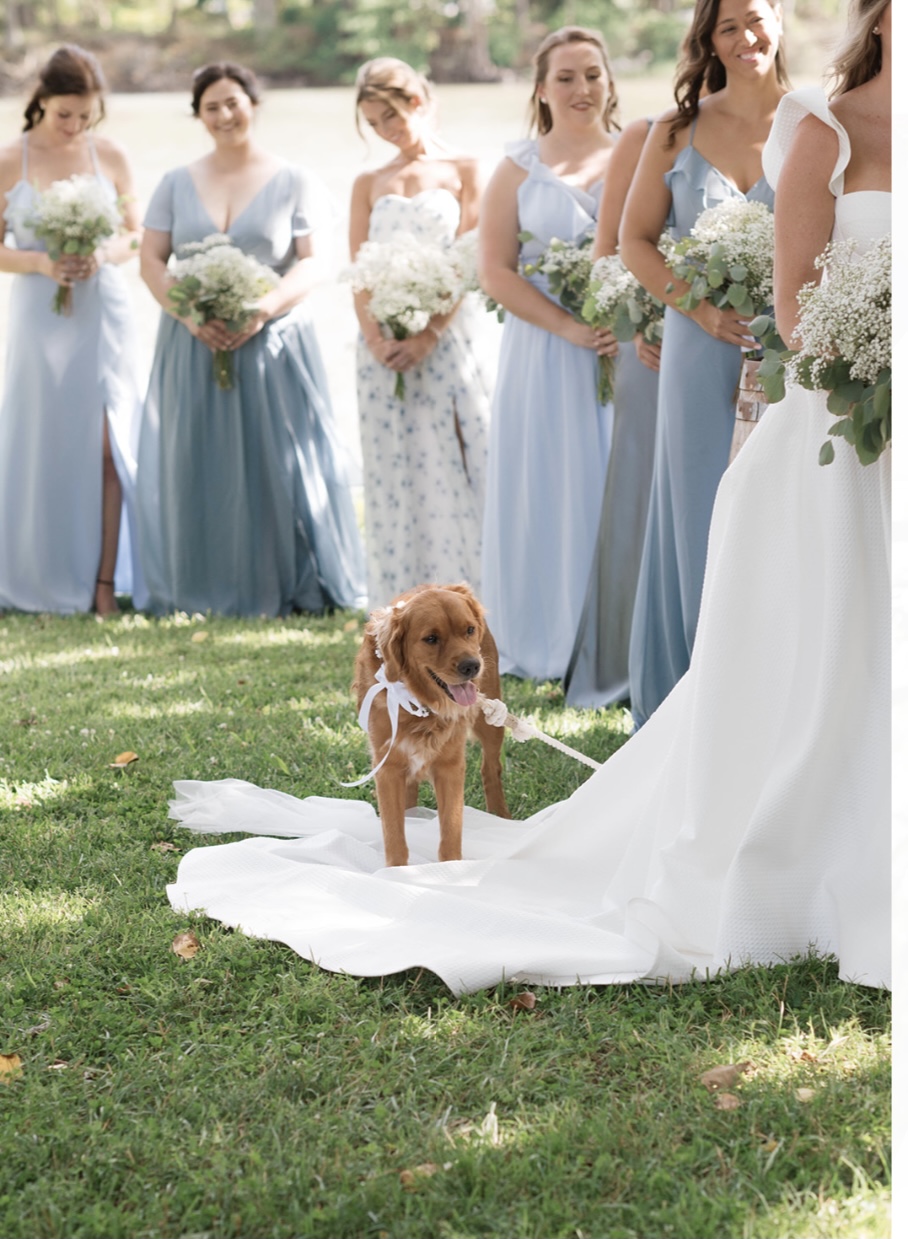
{"x":748,"y":821}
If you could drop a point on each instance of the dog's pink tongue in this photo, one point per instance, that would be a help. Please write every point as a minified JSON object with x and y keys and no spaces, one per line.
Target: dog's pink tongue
{"x":464,"y":694}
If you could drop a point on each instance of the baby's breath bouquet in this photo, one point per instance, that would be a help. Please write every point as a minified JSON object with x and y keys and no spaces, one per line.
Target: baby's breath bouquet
{"x":727,"y":258}
{"x":845,"y":336}
{"x":73,"y":217}
{"x":407,"y":281}
{"x":215,"y":279}
{"x":569,"y":267}
{"x":618,"y":301}
{"x":464,"y":253}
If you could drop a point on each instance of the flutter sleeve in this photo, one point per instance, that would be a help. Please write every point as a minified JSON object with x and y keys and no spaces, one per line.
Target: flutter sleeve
{"x":524,"y":153}
{"x":791,"y":111}
{"x":315,"y":204}
{"x":159,"y":214}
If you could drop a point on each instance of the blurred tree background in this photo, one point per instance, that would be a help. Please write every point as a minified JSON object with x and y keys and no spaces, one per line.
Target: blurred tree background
{"x":150,"y":44}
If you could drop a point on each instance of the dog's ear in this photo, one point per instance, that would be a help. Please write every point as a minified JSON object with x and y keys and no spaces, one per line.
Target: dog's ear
{"x":390,"y":628}
{"x":475,"y":605}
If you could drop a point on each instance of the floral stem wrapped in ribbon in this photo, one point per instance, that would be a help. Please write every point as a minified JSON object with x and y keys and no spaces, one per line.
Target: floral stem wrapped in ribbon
{"x":214,"y":278}
{"x":727,"y":259}
{"x":618,"y":301}
{"x":569,"y":267}
{"x":73,"y":216}
{"x":845,"y":336}
{"x":407,"y":281}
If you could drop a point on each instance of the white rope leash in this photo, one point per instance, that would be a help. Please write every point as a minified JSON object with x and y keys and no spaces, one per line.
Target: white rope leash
{"x":497,"y":714}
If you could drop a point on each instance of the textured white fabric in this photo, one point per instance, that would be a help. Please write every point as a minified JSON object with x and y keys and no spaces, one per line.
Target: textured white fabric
{"x":747,"y":821}
{"x":791,"y":111}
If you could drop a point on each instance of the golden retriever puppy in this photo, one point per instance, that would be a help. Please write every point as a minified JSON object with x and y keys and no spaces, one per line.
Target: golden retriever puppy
{"x":434,"y":641}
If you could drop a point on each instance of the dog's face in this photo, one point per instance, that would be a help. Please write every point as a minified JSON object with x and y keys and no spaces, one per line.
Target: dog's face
{"x":430,"y":638}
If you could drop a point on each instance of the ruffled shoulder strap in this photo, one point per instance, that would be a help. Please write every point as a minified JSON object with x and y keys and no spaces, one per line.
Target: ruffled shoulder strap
{"x":524,"y":153}
{"x":791,"y":111}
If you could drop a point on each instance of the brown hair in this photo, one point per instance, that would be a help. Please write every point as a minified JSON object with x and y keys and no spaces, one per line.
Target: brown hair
{"x":860,"y":57}
{"x":388,"y":80}
{"x":216,"y":72}
{"x":540,"y":114}
{"x":700,"y":71}
{"x":70,"y":71}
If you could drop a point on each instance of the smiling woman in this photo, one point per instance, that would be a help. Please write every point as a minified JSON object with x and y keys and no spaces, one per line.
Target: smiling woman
{"x":705,"y":151}
{"x":243,"y":494}
{"x":70,"y":410}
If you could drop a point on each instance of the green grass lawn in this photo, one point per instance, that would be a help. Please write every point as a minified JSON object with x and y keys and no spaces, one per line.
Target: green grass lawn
{"x":245,"y":1093}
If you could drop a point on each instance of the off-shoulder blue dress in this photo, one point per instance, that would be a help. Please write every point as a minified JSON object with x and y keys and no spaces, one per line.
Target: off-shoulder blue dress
{"x":697,"y":379}
{"x":548,"y":453}
{"x":244,"y":499}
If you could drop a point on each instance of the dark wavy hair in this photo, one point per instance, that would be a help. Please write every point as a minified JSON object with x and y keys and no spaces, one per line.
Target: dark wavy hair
{"x":70,"y":71}
{"x":540,"y":114}
{"x":207,"y":75}
{"x":701,"y":72}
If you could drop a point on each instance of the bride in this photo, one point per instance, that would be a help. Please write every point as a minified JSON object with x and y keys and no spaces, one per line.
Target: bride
{"x":749,"y":820}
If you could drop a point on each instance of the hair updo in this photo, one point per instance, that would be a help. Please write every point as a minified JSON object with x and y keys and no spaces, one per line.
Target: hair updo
{"x":394,"y":82}
{"x":70,"y":71}
{"x":217,"y":72}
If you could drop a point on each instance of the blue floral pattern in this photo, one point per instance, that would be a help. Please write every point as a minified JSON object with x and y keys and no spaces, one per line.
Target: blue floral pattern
{"x":424,"y":457}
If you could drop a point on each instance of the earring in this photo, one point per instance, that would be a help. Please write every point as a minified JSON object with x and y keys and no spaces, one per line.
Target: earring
{"x":875,"y":30}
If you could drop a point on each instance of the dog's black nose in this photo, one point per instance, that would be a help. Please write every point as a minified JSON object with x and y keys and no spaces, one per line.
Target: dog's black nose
{"x":469,"y":668}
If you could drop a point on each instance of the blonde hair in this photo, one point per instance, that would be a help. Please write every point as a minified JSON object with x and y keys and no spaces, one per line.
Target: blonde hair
{"x":540,"y":113}
{"x":860,"y":56}
{"x":391,"y":81}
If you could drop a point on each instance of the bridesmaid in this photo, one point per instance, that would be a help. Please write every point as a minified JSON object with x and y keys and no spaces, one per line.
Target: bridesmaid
{"x":244,"y":499}
{"x":424,"y":457}
{"x":550,"y":437}
{"x":70,"y":412}
{"x":706,"y":151}
{"x":597,"y":673}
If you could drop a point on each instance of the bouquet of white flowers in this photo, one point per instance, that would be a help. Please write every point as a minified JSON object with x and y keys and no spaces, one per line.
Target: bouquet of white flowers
{"x":617,"y":300}
{"x":845,"y":334}
{"x":407,"y":281}
{"x":215,"y":279}
{"x":569,"y":267}
{"x":73,"y":216}
{"x":464,"y":253}
{"x":727,"y":259}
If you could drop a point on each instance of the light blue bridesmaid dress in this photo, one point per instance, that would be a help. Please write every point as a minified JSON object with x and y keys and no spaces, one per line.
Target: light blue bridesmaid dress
{"x":244,"y":498}
{"x":548,"y":453}
{"x":694,"y":425}
{"x":597,"y":674}
{"x":64,"y":374}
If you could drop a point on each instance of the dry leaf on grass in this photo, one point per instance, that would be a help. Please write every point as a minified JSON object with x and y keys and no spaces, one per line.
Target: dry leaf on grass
{"x":10,"y":1065}
{"x":805,"y":1094}
{"x":31,"y":721}
{"x":199,"y":636}
{"x":164,"y":846}
{"x":523,"y":1002}
{"x":124,"y":759}
{"x":185,"y":945}
{"x":409,"y":1178}
{"x":725,"y":1077}
{"x":351,"y":626}
{"x":727,"y":1101}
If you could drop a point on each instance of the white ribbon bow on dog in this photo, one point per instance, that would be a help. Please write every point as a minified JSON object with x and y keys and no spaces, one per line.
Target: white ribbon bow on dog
{"x":398,"y":695}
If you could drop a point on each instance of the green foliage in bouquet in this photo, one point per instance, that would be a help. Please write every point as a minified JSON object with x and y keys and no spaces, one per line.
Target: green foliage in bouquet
{"x":727,"y":259}
{"x":568,"y":266}
{"x":845,"y":328}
